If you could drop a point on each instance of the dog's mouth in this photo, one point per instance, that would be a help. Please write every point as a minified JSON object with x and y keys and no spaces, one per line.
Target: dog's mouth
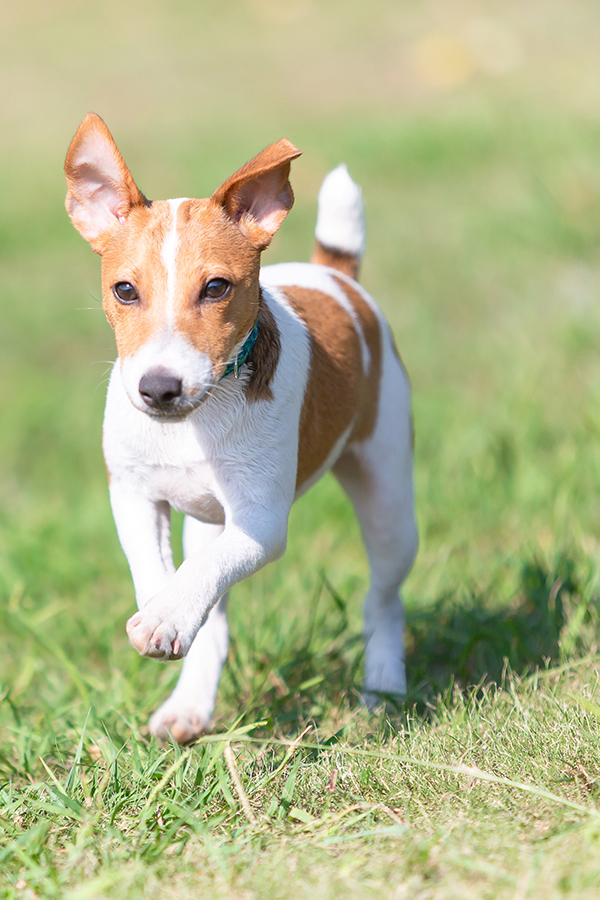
{"x":169,"y":402}
{"x":179,"y":415}
{"x":174,"y":412}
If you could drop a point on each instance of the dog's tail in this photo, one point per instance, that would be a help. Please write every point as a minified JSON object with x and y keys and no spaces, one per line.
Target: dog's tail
{"x":340,"y":229}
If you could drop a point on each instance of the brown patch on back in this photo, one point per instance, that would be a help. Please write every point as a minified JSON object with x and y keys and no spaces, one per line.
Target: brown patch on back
{"x":264,"y":356}
{"x":335,"y":380}
{"x":338,"y":391}
{"x":347,"y":263}
{"x":372,"y":333}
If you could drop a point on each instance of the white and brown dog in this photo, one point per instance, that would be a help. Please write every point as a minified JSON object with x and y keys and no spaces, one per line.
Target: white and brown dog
{"x":235,"y":389}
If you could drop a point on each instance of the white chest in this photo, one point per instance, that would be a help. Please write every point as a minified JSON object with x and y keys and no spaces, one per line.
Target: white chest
{"x":163,"y":462}
{"x":189,"y":490}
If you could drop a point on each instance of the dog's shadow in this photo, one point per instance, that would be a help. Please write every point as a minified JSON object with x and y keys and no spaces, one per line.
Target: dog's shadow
{"x":468,"y":643}
{"x":458,"y":642}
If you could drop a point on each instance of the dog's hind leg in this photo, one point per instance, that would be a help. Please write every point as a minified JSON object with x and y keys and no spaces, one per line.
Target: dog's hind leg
{"x":377,"y":475}
{"x":188,"y":711}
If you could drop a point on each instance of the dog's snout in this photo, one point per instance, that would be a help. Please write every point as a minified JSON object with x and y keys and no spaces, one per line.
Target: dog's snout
{"x":160,"y":389}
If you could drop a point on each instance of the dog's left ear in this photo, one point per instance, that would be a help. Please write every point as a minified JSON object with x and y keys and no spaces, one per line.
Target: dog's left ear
{"x":258,"y":197}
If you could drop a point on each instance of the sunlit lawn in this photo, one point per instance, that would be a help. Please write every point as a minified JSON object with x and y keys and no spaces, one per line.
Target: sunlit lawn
{"x":482,"y":188}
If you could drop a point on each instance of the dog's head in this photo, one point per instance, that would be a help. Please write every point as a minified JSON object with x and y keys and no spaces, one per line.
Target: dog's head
{"x":179,"y":277}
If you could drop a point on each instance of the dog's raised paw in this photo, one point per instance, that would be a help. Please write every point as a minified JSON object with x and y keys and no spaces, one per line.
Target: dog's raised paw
{"x":152,"y":636}
{"x":182,"y":724}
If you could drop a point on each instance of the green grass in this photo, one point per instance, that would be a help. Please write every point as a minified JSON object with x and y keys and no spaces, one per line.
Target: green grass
{"x":484,"y":215}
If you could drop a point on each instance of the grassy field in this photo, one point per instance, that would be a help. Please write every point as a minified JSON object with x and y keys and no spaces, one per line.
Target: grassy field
{"x":477,"y":142}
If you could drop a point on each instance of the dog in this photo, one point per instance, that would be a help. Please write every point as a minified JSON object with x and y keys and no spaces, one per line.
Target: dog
{"x":234,"y":390}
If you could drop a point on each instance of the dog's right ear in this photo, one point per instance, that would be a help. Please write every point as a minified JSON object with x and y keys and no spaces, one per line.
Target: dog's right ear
{"x":101,"y":191}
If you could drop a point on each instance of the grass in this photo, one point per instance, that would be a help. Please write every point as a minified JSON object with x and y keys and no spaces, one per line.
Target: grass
{"x":483,"y":197}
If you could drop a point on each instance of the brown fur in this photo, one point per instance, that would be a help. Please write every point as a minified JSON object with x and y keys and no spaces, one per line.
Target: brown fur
{"x":133,"y":255}
{"x":371,"y":329}
{"x":210,"y":246}
{"x":262,"y":187}
{"x":93,"y":132}
{"x":338,"y":391}
{"x":220,"y":237}
{"x":347,"y":263}
{"x":335,"y":378}
{"x":264,"y":356}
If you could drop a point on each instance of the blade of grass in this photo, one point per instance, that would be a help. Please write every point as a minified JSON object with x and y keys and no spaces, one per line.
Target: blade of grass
{"x":77,"y":758}
{"x":237,"y":783}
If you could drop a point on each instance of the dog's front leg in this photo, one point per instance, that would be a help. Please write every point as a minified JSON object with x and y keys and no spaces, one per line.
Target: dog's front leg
{"x":144,"y":529}
{"x":166,"y":626}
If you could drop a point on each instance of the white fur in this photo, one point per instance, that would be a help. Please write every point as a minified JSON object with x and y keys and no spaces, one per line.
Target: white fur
{"x":189,"y":709}
{"x":168,"y":349}
{"x":207,"y":466}
{"x":318,"y":278}
{"x":341,"y":215}
{"x":232,"y":465}
{"x":169,"y":258}
{"x":97,"y":208}
{"x":174,"y":352}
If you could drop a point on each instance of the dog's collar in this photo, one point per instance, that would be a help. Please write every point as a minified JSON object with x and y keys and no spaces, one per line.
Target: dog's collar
{"x":233,"y":367}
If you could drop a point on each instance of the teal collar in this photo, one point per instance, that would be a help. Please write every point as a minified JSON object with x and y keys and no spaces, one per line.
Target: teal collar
{"x":233,"y":368}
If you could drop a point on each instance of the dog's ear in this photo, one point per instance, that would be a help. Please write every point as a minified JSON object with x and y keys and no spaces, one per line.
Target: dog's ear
{"x":101,"y":191}
{"x":258,"y":197}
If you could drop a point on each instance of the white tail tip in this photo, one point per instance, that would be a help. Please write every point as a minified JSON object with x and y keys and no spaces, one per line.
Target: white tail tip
{"x":341,"y":214}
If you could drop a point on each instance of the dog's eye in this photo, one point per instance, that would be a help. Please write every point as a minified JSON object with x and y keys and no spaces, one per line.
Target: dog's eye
{"x":215,"y":289}
{"x":125,"y":292}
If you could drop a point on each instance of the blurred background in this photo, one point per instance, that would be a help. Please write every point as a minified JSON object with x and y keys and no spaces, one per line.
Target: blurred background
{"x":474,"y":130}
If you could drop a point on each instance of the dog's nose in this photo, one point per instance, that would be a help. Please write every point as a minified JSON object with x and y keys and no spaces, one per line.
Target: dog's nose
{"x":159,"y":389}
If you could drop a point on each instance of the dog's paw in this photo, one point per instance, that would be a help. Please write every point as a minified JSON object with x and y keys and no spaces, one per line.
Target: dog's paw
{"x":391,"y":700}
{"x":384,"y":683}
{"x":157,"y":636}
{"x":182,"y":723}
